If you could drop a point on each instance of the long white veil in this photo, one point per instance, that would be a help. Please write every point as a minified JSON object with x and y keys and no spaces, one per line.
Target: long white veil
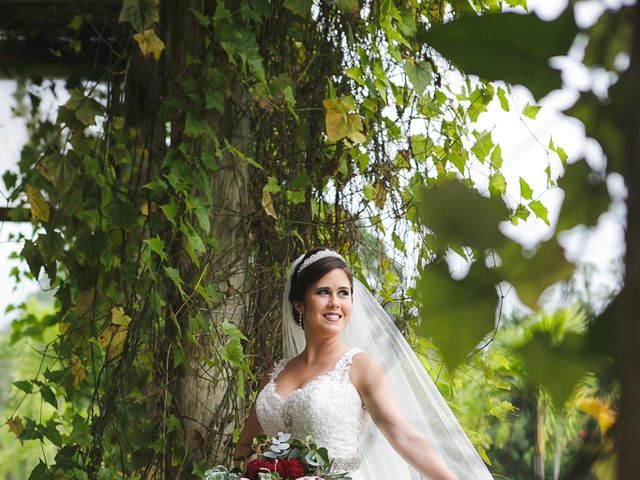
{"x":371,"y":330}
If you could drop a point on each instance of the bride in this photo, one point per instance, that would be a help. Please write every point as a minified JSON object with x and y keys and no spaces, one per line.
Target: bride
{"x":351,"y":382}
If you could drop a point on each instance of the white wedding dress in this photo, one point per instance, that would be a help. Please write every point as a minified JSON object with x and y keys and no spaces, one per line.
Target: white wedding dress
{"x":328,"y":408}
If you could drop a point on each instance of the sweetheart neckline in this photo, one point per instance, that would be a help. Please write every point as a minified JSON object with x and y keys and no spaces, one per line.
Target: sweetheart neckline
{"x":310,"y":382}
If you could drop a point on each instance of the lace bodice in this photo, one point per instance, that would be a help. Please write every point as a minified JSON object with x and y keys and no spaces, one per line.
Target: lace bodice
{"x":328,"y":408}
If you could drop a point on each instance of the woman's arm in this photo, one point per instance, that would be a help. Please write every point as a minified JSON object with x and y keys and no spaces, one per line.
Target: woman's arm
{"x":251,"y":428}
{"x":376,"y":391}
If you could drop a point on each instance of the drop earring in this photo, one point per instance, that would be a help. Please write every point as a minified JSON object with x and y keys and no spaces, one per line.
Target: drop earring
{"x":300,"y":320}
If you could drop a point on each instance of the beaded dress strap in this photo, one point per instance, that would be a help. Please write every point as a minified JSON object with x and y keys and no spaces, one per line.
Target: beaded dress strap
{"x":277,"y":368}
{"x":343,"y":365}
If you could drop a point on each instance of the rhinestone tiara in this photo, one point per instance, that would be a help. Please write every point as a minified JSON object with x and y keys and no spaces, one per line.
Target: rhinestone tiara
{"x":317,"y":256}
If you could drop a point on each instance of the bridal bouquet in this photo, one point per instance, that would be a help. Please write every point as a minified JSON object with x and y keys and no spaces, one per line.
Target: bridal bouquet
{"x":282,"y":458}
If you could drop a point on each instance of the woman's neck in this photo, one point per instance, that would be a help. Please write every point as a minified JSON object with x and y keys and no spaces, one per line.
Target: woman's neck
{"x":318,"y":349}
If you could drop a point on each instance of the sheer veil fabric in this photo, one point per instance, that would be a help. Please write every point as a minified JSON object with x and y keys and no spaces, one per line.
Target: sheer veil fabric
{"x":373,"y":331}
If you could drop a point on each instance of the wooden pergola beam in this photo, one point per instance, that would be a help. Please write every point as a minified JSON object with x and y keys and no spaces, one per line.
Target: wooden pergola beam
{"x":8,"y":214}
{"x":34,"y":37}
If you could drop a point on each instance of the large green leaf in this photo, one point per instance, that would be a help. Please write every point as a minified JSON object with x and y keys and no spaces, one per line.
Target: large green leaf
{"x":605,"y":121}
{"x":507,"y":46}
{"x":532,"y":276}
{"x":461,"y":215}
{"x":601,"y":332}
{"x":456,"y":314}
{"x":557,"y":367}
{"x":585,"y":196}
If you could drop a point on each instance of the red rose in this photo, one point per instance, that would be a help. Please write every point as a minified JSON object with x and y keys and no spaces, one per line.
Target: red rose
{"x":290,"y":469}
{"x":295,"y":469}
{"x":254,"y":467}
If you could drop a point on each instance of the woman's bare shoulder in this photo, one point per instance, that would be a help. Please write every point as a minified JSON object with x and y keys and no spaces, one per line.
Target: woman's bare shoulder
{"x":364,"y":369}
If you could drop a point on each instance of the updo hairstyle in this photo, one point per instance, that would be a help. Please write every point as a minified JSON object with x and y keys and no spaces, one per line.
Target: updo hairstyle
{"x":301,"y":281}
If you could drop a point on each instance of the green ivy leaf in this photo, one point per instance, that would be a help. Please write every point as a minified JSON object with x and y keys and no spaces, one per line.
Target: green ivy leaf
{"x":59,"y":170}
{"x":496,"y":157}
{"x":531,"y":111}
{"x":24,"y":385}
{"x":122,"y":214}
{"x":369,"y":192}
{"x":81,"y":433}
{"x":50,"y":431}
{"x":85,"y":108}
{"x":222,"y":13}
{"x":483,"y":146}
{"x":562,"y":155}
{"x":507,"y":46}
{"x":31,"y":253}
{"x":232,"y":330}
{"x":140,"y":13}
{"x":456,"y":314}
{"x":540,"y":211}
{"x":48,"y":395}
{"x":295,"y":196}
{"x":497,"y":185}
{"x":525,"y":189}
{"x":502,"y":96}
{"x":214,"y":99}
{"x":299,"y":7}
{"x":272,"y":185}
{"x":170,"y":211}
{"x":419,"y":74}
{"x":232,"y":352}
{"x":421,"y":147}
{"x":200,"y":18}
{"x":156,"y":186}
{"x":202,"y":216}
{"x":157,"y":245}
{"x":301,"y":181}
{"x":40,"y":472}
{"x":174,"y":276}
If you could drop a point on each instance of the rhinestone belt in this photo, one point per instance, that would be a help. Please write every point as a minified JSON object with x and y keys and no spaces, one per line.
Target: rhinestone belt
{"x":345,"y":465}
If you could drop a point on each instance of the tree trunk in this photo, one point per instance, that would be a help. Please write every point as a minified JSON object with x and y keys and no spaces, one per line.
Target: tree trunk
{"x":628,"y":326}
{"x":557,"y":461}
{"x":538,"y":460}
{"x":205,"y":402}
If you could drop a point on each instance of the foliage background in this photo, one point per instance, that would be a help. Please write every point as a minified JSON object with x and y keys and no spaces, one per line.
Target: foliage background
{"x":208,"y":145}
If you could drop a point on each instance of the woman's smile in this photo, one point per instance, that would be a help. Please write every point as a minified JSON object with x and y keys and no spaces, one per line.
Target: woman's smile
{"x":332,"y":316}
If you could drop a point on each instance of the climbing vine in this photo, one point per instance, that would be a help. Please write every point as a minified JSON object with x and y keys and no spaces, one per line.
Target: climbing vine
{"x":172,"y":189}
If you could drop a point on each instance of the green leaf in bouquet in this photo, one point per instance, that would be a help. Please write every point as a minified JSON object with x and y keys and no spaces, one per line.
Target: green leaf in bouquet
{"x":218,"y":473}
{"x":268,"y":476}
{"x":294,"y":453}
{"x":323,"y":454}
{"x":310,"y":458}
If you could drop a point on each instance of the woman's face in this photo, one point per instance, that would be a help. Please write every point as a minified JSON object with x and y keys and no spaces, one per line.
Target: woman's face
{"x":328,"y":302}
